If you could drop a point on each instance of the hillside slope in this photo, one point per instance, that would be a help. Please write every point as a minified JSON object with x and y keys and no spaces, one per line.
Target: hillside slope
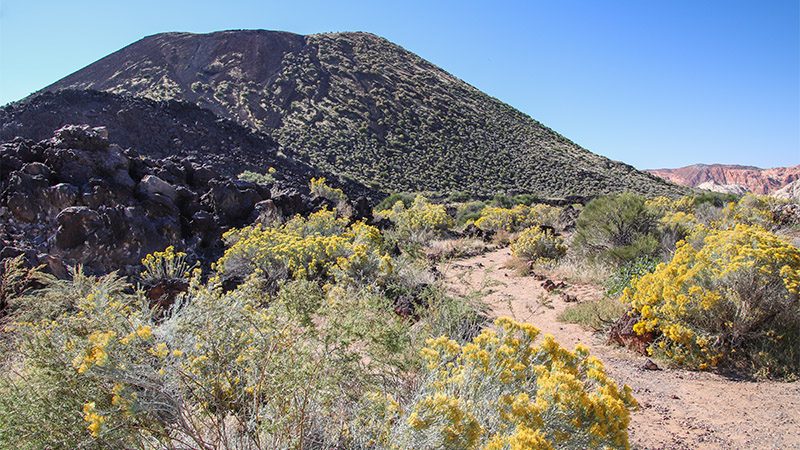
{"x":358,"y":105}
{"x":162,"y":129}
{"x":755,"y":179}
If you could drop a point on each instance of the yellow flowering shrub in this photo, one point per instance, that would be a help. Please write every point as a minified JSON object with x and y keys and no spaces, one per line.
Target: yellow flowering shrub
{"x":538,"y":244}
{"x":502,"y":390}
{"x":316,"y":247}
{"x":752,"y":209}
{"x":88,"y":378}
{"x":727,"y":297}
{"x":661,"y":205}
{"x":419,"y":222}
{"x":309,"y":350}
{"x":107,"y":374}
{"x":495,"y":219}
{"x":675,"y":226}
{"x":319,"y":187}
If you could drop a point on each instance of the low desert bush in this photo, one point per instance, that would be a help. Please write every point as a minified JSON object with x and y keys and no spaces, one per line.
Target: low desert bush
{"x":617,"y":229}
{"x":597,"y":315}
{"x":15,"y":279}
{"x":495,"y":218}
{"x":468,"y":212}
{"x":258,"y":178}
{"x":538,"y":244}
{"x":621,"y":278}
{"x":752,"y":209}
{"x":439,"y":250}
{"x":240,"y":369}
{"x":406,"y":198}
{"x":674,"y":227}
{"x":573,"y":268}
{"x":727,"y":298}
{"x":61,"y":392}
{"x":502,"y":391}
{"x":545,"y":215}
{"x":461,"y":317}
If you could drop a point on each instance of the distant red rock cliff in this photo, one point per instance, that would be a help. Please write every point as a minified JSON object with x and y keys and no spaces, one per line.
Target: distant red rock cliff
{"x":761,"y":181}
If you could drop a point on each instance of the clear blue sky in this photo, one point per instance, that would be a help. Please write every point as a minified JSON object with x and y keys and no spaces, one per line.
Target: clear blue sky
{"x":651,"y":83}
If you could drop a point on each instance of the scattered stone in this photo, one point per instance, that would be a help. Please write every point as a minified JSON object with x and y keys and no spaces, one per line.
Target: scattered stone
{"x":81,"y":136}
{"x":550,"y":286}
{"x":569,"y":298}
{"x":153,"y":185}
{"x":62,"y":195}
{"x":290,"y":201}
{"x":36,"y":168}
{"x":650,"y":365}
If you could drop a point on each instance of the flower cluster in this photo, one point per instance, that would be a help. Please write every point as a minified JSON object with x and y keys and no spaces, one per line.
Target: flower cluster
{"x":166,"y":265}
{"x":95,"y":353}
{"x":725,"y":296}
{"x":94,"y":419}
{"x":501,"y":390}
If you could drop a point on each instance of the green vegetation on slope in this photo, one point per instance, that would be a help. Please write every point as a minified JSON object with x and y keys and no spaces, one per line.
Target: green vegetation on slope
{"x":358,"y":105}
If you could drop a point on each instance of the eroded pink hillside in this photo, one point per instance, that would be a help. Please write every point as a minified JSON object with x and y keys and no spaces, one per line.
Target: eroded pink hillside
{"x":761,"y":181}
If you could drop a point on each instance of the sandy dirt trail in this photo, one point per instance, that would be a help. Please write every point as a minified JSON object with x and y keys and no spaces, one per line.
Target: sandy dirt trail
{"x":679,"y":409}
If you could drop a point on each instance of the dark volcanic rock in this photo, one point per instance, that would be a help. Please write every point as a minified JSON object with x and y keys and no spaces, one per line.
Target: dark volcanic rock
{"x":192,"y":144}
{"x":152,"y":185}
{"x":232,"y":203}
{"x":75,"y":224}
{"x":81,"y":136}
{"x":76,"y":198}
{"x":267,"y":213}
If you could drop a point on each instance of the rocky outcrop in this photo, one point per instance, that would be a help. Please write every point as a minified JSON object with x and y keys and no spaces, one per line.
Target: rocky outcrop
{"x":789,"y":192}
{"x":735,"y":189}
{"x":754,"y":179}
{"x":162,"y":130}
{"x":78,"y":198}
